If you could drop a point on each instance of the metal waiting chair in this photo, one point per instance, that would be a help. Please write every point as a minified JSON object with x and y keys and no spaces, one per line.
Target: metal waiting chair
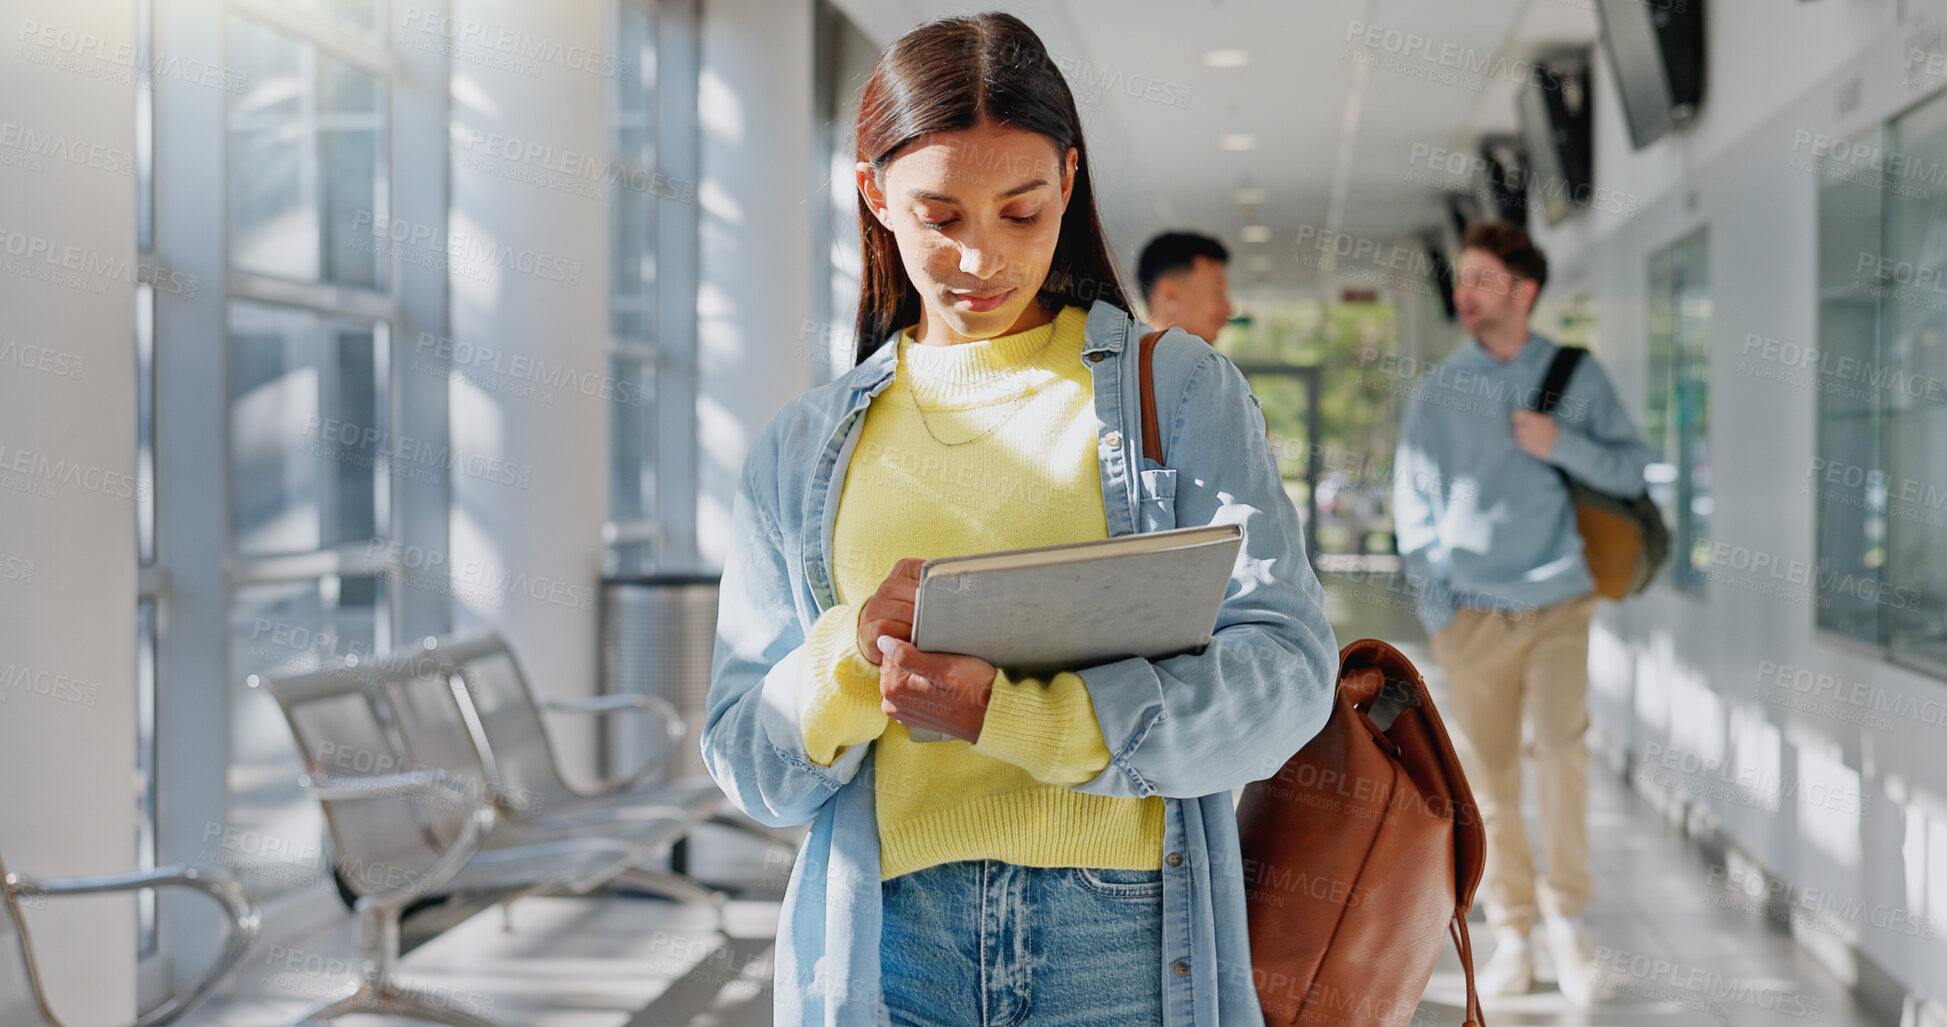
{"x":23,"y":1000}
{"x":411,"y":825}
{"x":504,"y":716}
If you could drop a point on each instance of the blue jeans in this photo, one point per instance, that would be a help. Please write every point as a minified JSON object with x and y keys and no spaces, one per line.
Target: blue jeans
{"x":986,"y":944}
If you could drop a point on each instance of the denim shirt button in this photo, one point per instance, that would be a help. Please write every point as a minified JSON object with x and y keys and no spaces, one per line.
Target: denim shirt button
{"x":1095,"y":357}
{"x":1175,"y":859}
{"x":1182,"y":968}
{"x":1113,"y":440}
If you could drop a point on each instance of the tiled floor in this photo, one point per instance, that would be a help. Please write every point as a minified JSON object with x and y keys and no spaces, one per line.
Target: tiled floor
{"x":1687,"y":957}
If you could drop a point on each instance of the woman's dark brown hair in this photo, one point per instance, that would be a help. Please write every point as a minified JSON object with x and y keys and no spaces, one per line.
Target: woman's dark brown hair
{"x":954,"y":74}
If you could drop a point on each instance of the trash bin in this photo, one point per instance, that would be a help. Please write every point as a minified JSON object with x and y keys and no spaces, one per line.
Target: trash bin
{"x":658,"y":632}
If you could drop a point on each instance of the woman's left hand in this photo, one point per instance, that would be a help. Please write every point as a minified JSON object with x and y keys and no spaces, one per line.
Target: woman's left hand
{"x":943,"y":692}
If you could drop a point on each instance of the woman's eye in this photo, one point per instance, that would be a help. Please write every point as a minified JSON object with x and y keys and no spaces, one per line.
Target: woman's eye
{"x":1028,"y":219}
{"x":935,"y":225}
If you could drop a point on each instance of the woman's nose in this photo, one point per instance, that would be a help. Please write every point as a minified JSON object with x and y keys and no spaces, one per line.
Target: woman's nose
{"x":979,"y":259}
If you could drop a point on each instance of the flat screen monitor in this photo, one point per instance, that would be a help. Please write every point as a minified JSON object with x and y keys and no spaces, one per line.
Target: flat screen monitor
{"x":1657,"y":50}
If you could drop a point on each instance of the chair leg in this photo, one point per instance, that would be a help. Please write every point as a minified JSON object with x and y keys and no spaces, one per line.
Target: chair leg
{"x":379,"y":992}
{"x":668,"y":885}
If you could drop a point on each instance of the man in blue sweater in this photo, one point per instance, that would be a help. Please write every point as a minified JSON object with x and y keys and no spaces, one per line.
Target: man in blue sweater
{"x":1488,"y":534}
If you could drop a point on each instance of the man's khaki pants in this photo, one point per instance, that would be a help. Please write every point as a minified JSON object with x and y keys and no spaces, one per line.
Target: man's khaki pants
{"x":1499,"y":666}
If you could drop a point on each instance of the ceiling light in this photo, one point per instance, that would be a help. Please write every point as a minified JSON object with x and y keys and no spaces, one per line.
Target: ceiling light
{"x":1255,"y":233}
{"x":1226,"y":58}
{"x":1238,"y":141}
{"x":1250,"y":195}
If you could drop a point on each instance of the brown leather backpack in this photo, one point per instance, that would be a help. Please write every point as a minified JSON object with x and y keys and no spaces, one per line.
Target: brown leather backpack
{"x":1361,"y":848}
{"x":1359,"y":852}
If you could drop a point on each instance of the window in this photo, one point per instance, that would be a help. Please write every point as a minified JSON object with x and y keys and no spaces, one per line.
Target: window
{"x":652,"y":217}
{"x":1880,"y":480}
{"x":633,"y":210}
{"x":1677,"y":425}
{"x":311,"y":395}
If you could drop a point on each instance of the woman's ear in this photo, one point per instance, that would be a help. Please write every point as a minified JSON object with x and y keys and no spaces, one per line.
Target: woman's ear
{"x":1069,"y":162}
{"x":875,"y":197}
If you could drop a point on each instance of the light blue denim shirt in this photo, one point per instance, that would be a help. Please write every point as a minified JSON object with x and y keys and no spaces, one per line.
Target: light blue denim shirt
{"x":1188,"y":728}
{"x":1480,"y":523}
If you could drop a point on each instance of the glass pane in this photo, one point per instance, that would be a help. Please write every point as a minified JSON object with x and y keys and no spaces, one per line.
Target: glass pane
{"x":1847,"y":481}
{"x":632,"y":281}
{"x":145,"y":784}
{"x":144,"y":129}
{"x":1677,"y":422}
{"x":365,"y":15}
{"x":632,"y":435}
{"x":1913,"y":595}
{"x":309,"y":431}
{"x":145,"y":423}
{"x":634,"y":187}
{"x":307,"y":162}
{"x":633,"y":134}
{"x":275,"y":839}
{"x":1692,"y":399}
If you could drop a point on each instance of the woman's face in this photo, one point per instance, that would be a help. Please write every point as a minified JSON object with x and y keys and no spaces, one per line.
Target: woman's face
{"x":977,"y":214}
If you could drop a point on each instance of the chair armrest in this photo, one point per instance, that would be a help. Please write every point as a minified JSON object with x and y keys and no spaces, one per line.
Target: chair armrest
{"x":479,"y":821}
{"x":240,"y":926}
{"x":621,"y":702}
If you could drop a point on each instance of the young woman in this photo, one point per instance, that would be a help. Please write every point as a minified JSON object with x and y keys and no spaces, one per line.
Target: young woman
{"x":1070,"y":855}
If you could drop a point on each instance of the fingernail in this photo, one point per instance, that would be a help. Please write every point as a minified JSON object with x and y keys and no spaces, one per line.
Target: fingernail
{"x":886,"y":643}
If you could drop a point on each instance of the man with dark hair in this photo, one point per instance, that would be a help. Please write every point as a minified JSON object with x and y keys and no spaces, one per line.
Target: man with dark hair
{"x":1184,"y":284}
{"x":1487,"y":530}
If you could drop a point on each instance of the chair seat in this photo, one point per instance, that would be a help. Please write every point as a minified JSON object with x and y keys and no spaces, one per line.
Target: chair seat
{"x":578,"y":865}
{"x":693,"y":800}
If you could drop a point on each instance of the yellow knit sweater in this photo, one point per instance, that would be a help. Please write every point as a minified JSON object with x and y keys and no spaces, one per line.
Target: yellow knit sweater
{"x":1026,"y":475}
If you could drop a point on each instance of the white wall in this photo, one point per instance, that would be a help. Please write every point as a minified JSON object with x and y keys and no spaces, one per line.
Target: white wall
{"x":67,"y":507}
{"x":758,"y":187}
{"x":527,"y":560}
{"x":1680,"y":671}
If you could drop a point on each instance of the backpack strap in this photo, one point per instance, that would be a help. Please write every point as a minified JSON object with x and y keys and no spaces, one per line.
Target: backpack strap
{"x":1152,"y":431}
{"x":1556,"y":383}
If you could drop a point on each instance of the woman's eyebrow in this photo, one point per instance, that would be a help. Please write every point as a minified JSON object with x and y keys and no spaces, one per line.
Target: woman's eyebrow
{"x":921,"y":194}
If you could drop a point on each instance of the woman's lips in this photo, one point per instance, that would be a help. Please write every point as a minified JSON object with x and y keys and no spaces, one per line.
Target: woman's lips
{"x":982,"y":304}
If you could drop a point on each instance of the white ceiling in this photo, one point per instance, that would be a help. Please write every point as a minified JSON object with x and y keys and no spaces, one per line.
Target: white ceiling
{"x":1336,"y":135}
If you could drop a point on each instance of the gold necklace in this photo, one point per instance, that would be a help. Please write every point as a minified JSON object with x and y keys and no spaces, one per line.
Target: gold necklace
{"x":1019,"y":403}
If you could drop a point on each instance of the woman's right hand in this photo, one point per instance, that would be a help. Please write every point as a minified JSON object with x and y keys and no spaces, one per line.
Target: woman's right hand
{"x":890,"y":610}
